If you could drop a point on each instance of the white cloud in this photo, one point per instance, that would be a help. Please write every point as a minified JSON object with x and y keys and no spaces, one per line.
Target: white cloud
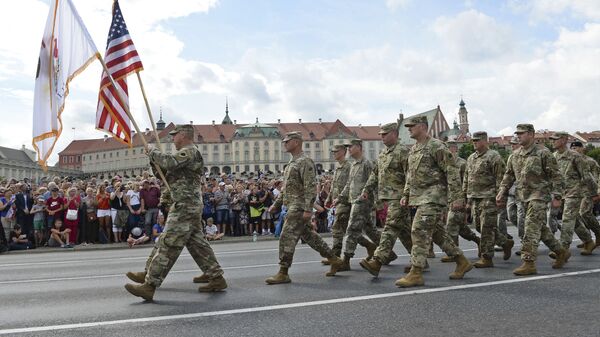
{"x":397,"y":4}
{"x":474,"y":36}
{"x":548,"y":10}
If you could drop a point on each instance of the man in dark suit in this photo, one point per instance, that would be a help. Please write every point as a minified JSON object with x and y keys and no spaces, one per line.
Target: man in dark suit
{"x":24,"y":202}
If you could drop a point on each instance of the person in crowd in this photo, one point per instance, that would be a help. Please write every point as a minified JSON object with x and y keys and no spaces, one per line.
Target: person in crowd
{"x":207,"y":199}
{"x":103,"y":213}
{"x":150,"y":197}
{"x":212,"y":232}
{"x":59,"y":236}
{"x":6,"y":204}
{"x":54,"y":208}
{"x":89,"y":224}
{"x":265,"y":196}
{"x":221,"y":200}
{"x":119,"y":210}
{"x":18,"y":240}
{"x":134,"y":204}
{"x":256,"y":209}
{"x":71,"y":220}
{"x":238,"y":203}
{"x":137,"y":237}
{"x":23,"y":203}
{"x":158,"y":227}
{"x":38,"y":211}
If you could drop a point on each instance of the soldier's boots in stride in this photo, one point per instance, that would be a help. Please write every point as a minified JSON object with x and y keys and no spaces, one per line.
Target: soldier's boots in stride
{"x":137,"y":277}
{"x":408,"y":268}
{"x":145,"y":291}
{"x":484,"y":262}
{"x":562,"y":256}
{"x":279,"y":278}
{"x":215,"y":284}
{"x":337,"y":264}
{"x":507,"y":249}
{"x":588,"y":247}
{"x":414,"y":278}
{"x":527,"y":268}
{"x":393,"y":257}
{"x":463,"y":266}
{"x":201,"y":279}
{"x":373,"y":266}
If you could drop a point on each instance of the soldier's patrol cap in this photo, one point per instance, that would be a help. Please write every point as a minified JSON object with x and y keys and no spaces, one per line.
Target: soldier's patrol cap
{"x":182,"y":127}
{"x":355,"y":141}
{"x":338,"y":147}
{"x":387,"y":128}
{"x":576,"y":144}
{"x":559,"y":135}
{"x":416,"y":120}
{"x":480,"y":135}
{"x":514,"y":140}
{"x":292,"y":135}
{"x":522,"y":128}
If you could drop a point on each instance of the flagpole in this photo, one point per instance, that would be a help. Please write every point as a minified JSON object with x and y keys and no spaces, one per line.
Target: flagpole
{"x":137,"y":129}
{"x":148,"y":110}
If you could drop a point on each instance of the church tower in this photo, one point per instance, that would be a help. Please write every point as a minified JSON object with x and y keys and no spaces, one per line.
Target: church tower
{"x":226,"y":120}
{"x":463,"y":120}
{"x":160,"y":125}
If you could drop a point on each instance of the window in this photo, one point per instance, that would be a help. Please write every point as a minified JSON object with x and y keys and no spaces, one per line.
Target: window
{"x":318,"y":155}
{"x":266,"y":167}
{"x":126,"y":152}
{"x":246,"y":145}
{"x":331,"y":167}
{"x":104,"y":156}
{"x":90,"y":157}
{"x":276,"y":155}
{"x":237,"y":168}
{"x":110,"y":155}
{"x":133,"y":152}
{"x":97,"y":156}
{"x":307,"y":145}
{"x":117,"y":154}
{"x":276,"y":167}
{"x":227,"y":157}
{"x":237,"y":155}
{"x":247,"y":168}
{"x":204,"y":148}
{"x":331,"y":143}
{"x":256,"y":168}
{"x":77,"y":158}
{"x":317,"y":145}
{"x":226,"y":147}
{"x":266,"y":143}
{"x":216,"y":148}
{"x":246,"y":156}
{"x":215,"y":156}
{"x":266,"y":157}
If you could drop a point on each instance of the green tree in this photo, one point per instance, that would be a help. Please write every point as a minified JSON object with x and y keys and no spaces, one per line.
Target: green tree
{"x":466,"y":150}
{"x":504,"y":153}
{"x":594,"y":153}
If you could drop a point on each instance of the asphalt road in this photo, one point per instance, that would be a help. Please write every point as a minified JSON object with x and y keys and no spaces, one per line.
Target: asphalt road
{"x":81,"y":294}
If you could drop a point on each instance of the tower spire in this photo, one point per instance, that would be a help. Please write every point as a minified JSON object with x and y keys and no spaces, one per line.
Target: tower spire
{"x":160,"y":125}
{"x":226,"y":119}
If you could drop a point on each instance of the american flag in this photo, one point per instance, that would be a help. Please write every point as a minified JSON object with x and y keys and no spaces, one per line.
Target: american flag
{"x":121,"y":59}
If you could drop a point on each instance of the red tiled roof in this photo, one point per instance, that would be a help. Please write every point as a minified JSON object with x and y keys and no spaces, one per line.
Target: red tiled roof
{"x":589,"y":136}
{"x":366,"y":132}
{"x":212,"y":133}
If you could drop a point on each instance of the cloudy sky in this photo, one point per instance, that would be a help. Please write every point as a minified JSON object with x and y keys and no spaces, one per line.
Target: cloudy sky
{"x":360,"y":61}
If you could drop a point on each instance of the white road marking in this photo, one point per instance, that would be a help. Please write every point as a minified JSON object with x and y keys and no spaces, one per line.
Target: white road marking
{"x":290,"y":305}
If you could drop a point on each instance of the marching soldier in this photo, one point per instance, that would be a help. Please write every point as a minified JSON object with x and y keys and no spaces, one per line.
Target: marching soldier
{"x":587,"y":203}
{"x":535,"y":172}
{"x":299,"y":196}
{"x":485,"y":169}
{"x":388,"y":178}
{"x":183,"y":171}
{"x":432,"y":179}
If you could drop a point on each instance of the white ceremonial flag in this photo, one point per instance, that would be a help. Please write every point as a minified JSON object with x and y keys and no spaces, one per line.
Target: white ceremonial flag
{"x":66,"y":50}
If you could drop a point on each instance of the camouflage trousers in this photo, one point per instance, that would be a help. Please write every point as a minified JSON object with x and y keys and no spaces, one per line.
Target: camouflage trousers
{"x":183,"y":228}
{"x":360,"y":222}
{"x":456,"y":224}
{"x":294,"y":228}
{"x":485,"y":217}
{"x":516,"y":214}
{"x":536,"y":230}
{"x":586,"y":211}
{"x":397,"y":225}
{"x":572,"y":221}
{"x":552,"y":218}
{"x":501,"y":221}
{"x":338,"y":230}
{"x":428,"y":225}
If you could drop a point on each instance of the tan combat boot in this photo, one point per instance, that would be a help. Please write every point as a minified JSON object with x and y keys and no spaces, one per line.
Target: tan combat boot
{"x":588,"y":247}
{"x":507,"y":248}
{"x":373,"y":266}
{"x":446,"y":259}
{"x":279,"y":278}
{"x":137,"y":277}
{"x":562,"y":256}
{"x":345,"y":266}
{"x":484,"y":262}
{"x":215,"y":284}
{"x":527,"y":268}
{"x":145,"y":291}
{"x":337,"y":264}
{"x":325,"y":262}
{"x":201,"y":279}
{"x":393,"y":257}
{"x":413,"y":279}
{"x":463,"y":266}
{"x":371,"y":248}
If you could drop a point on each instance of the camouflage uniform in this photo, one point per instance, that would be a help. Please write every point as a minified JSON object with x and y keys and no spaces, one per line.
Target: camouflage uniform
{"x":586,"y":209}
{"x":515,"y":211}
{"x":361,"y":211}
{"x":482,"y":179}
{"x":299,"y":196}
{"x":535,"y":172}
{"x":578,"y":184}
{"x":183,"y":171}
{"x":456,"y":222}
{"x":432,"y":178}
{"x":342,"y":209}
{"x":388,"y":178}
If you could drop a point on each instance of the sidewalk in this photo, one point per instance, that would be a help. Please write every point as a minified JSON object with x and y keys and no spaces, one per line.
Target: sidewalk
{"x":110,"y":246}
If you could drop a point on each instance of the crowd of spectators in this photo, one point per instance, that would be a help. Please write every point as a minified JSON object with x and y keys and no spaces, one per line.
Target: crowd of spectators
{"x":63,"y":212}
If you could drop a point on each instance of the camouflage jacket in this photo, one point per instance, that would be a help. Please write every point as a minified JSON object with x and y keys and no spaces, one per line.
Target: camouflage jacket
{"x":535,"y":172}
{"x":483,"y":174}
{"x":340,"y":178}
{"x":389,"y":173}
{"x":576,"y":174}
{"x":184,"y":171}
{"x":359,"y":174}
{"x":432,"y":175}
{"x":300,"y":184}
{"x":594,"y":170}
